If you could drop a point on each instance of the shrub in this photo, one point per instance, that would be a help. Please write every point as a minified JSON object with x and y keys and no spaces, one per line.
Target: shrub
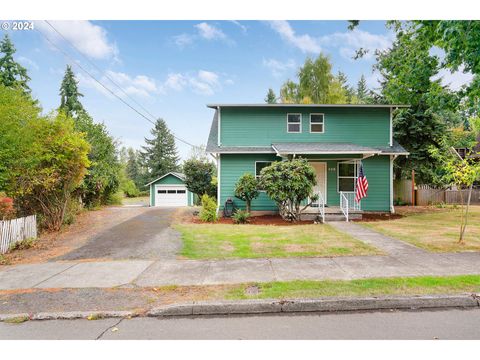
{"x":208,"y":212}
{"x":130,"y":189}
{"x":241,"y":217}
{"x":288,"y":183}
{"x":7,"y":211}
{"x":21,"y":245}
{"x":246,"y":189}
{"x":115,"y":198}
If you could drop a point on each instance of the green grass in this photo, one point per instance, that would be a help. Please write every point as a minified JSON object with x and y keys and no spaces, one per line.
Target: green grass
{"x":365,"y":287}
{"x":17,"y":320}
{"x":435,"y":231}
{"x":224,"y":241}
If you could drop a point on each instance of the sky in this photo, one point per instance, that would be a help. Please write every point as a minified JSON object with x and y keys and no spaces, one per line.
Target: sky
{"x":174,"y":68}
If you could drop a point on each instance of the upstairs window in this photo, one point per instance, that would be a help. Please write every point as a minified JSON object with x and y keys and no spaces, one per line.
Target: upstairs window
{"x":317,"y":123}
{"x":294,"y":123}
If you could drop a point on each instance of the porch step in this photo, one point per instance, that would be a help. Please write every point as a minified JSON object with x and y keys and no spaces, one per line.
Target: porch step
{"x":331,"y":216}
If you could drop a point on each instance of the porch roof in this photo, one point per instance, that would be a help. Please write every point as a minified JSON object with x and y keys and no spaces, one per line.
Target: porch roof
{"x":322,"y":148}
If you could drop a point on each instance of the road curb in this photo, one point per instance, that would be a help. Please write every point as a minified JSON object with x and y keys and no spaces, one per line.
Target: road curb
{"x":246,"y":307}
{"x":317,"y":305}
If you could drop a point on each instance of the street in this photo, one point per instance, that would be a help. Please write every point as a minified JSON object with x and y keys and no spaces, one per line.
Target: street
{"x":428,"y":325}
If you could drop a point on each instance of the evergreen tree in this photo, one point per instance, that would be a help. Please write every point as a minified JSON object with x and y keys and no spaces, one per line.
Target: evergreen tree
{"x":160,"y":154}
{"x":271,"y":98}
{"x":134,"y":168}
{"x":362,"y":90}
{"x":69,"y":94}
{"x":12,"y":74}
{"x":349,"y":91}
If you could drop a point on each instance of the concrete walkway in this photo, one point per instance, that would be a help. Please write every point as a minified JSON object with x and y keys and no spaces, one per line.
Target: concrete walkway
{"x":402,"y":260}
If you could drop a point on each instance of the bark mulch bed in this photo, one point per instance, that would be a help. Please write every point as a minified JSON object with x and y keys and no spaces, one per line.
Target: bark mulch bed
{"x":275,"y":220}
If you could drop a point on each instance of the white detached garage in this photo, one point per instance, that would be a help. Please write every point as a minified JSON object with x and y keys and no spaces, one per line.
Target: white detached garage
{"x":170,"y":190}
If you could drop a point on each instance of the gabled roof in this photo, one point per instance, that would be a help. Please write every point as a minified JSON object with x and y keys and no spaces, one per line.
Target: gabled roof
{"x":214,"y":106}
{"x":173,"y":173}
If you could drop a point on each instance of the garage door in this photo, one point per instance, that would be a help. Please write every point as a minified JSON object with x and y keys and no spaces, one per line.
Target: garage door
{"x":170,"y":196}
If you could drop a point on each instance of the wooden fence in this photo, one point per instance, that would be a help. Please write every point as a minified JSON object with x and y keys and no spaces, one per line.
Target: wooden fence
{"x":15,"y":230}
{"x":429,"y":195}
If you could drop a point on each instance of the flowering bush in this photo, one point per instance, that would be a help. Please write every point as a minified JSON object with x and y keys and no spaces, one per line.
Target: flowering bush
{"x":7,"y":211}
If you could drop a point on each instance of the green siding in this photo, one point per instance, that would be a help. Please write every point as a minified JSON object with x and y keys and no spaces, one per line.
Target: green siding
{"x":168,"y":180}
{"x":264,"y":126}
{"x":232,"y":166}
{"x":377,"y":170}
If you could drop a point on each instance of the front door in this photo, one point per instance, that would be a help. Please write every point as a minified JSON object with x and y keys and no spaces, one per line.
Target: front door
{"x":321,"y":171}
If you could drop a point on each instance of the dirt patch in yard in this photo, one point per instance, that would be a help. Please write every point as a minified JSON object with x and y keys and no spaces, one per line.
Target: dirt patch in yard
{"x":88,"y":224}
{"x":139,"y":300}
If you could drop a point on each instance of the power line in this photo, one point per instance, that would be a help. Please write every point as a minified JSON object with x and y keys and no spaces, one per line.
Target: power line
{"x":98,"y":68}
{"x":107,"y":89}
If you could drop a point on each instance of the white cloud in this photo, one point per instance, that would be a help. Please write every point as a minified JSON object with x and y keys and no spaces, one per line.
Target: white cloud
{"x":278,"y":68}
{"x":204,"y":31}
{"x":208,"y":77}
{"x":305,"y":43}
{"x":87,"y":37}
{"x":176,"y":81}
{"x":346,"y":42}
{"x":139,"y":85}
{"x":454,"y":80}
{"x":28,"y":62}
{"x":210,"y":32}
{"x":350,"y":41}
{"x":183,"y":40}
{"x":202,"y":82}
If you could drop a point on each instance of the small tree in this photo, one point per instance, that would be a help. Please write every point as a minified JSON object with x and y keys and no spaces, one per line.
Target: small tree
{"x":246,"y":189}
{"x":199,"y":176}
{"x":289,"y":183}
{"x":462,"y":172}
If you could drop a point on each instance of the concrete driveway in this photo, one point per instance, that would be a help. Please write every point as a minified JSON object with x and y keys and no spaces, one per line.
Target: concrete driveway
{"x":147,"y":236}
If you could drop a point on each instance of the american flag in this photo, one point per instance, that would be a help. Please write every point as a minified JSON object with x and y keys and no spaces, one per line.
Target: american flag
{"x":362,"y":185}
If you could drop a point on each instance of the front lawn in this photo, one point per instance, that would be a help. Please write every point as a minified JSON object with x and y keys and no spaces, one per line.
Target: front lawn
{"x":435,"y":230}
{"x":225,"y":241}
{"x":424,"y":285}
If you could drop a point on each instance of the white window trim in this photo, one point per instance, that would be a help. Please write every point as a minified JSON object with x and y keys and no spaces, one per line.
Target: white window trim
{"x":355,"y":177}
{"x":260,"y":161}
{"x":255,"y":170}
{"x":300,"y":123}
{"x":323,"y":124}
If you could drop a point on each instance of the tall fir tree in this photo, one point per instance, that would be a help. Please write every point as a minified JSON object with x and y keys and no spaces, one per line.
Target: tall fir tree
{"x":160,"y":153}
{"x":362,"y":90}
{"x":12,"y":74}
{"x":134,"y":168}
{"x":69,"y":94}
{"x":271,"y":98}
{"x":349,"y":91}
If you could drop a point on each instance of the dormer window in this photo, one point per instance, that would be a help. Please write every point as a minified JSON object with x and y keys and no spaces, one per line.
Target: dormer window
{"x":317,"y":123}
{"x":294,"y":123}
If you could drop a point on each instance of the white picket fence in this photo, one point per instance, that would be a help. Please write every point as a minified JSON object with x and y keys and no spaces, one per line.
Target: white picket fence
{"x":15,"y":230}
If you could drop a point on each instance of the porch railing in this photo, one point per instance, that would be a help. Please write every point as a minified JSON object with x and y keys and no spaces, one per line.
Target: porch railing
{"x":352,"y":204}
{"x":344,"y":204}
{"x":321,"y":206}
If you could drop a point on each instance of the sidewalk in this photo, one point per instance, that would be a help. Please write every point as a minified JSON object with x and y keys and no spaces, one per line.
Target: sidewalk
{"x":402,"y":260}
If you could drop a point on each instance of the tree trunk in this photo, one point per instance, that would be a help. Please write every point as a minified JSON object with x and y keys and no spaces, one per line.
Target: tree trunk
{"x":464,"y":224}
{"x":247,"y":206}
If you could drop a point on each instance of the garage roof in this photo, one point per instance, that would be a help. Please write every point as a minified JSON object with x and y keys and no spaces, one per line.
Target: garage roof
{"x":173,"y":173}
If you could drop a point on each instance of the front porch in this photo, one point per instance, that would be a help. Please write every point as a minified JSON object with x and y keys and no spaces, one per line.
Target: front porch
{"x":337,"y":167}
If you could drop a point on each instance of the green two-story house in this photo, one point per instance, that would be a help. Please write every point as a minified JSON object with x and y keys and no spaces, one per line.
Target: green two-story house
{"x":336,"y":139}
